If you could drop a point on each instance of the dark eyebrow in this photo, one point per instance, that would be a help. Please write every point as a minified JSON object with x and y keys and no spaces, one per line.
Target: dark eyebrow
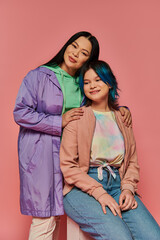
{"x":96,"y":77}
{"x":76,"y":43}
{"x":86,"y":79}
{"x":82,"y":49}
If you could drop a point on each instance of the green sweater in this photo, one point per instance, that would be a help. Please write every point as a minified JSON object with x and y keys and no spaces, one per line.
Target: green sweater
{"x":72,"y":96}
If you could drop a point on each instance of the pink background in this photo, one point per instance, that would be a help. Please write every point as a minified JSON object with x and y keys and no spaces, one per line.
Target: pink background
{"x":129,"y":35}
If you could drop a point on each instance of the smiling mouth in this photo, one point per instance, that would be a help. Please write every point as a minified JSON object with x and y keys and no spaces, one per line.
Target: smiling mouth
{"x":72,"y":60}
{"x":94,"y":92}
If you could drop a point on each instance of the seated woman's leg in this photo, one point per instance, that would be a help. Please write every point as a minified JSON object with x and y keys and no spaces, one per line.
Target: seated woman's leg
{"x":141,"y":223}
{"x":87,"y":212}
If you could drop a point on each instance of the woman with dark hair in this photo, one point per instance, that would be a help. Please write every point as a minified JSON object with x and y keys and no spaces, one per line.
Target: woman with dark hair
{"x":48,"y":99}
{"x":99,"y":164}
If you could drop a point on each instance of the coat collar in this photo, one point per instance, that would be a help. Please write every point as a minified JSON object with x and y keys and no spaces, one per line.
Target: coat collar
{"x":51,"y":75}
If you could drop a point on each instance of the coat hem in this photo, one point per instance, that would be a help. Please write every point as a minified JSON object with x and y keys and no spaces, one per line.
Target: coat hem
{"x":42,"y":213}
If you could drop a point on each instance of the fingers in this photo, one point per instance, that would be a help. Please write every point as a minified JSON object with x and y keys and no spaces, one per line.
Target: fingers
{"x":115,"y":209}
{"x":75,"y":112}
{"x":121,"y":200}
{"x":135,"y":205}
{"x":74,"y":115}
{"x":121,"y":109}
{"x":104,"y":209}
{"x":108,"y":201}
{"x":126,"y":200}
{"x":127,"y":204}
{"x":71,"y":115}
{"x":127,"y":119}
{"x":74,"y":118}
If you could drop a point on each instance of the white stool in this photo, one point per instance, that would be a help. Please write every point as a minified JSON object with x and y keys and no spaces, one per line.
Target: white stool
{"x":74,"y":232}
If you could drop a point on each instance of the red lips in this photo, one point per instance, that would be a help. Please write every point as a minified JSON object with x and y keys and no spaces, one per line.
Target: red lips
{"x":94,"y":92}
{"x":72,"y":60}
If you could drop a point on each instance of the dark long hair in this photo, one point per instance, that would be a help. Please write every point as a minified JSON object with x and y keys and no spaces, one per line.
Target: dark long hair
{"x":105,"y":73}
{"x":59,"y":57}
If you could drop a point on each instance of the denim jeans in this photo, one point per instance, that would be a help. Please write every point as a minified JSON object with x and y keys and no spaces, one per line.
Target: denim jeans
{"x":137,"y":224}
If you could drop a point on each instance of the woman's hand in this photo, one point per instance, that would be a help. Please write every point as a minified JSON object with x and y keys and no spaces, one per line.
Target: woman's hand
{"x":107,"y":200}
{"x":127,"y":118}
{"x":127,"y":201}
{"x":71,"y":115}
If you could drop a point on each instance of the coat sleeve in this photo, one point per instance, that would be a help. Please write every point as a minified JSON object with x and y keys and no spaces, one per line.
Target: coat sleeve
{"x":131,"y":176}
{"x":25,"y":111}
{"x":69,"y":162}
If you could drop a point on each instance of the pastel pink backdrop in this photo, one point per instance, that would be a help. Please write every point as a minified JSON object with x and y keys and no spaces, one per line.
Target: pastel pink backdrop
{"x":129,"y":35}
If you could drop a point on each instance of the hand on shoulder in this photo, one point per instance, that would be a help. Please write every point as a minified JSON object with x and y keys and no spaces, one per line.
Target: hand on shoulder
{"x":126,"y":116}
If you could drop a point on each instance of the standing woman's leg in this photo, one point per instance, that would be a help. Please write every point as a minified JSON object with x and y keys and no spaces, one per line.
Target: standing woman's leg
{"x":44,"y":228}
{"x":141,"y":223}
{"x":57,"y":228}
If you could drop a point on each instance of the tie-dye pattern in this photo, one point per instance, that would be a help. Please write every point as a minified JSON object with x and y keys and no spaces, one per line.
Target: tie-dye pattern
{"x":108,"y":144}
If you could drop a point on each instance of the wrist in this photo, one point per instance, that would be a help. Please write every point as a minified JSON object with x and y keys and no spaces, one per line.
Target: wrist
{"x":128,"y":191}
{"x":102,"y":195}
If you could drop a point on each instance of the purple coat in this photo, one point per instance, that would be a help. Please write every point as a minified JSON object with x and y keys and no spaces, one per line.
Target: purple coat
{"x":38,"y":111}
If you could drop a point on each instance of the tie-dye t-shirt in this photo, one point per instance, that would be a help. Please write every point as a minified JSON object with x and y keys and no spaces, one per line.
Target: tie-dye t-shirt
{"x":108,"y":143}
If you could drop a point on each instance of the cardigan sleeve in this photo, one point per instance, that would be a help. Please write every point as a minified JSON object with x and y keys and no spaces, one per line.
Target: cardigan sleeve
{"x":69,"y":162}
{"x":131,"y":175}
{"x":25,"y":111}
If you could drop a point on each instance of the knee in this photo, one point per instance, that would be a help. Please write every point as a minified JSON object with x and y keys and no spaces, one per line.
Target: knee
{"x":152,"y":233}
{"x":114,"y":232}
{"x":155,"y":234}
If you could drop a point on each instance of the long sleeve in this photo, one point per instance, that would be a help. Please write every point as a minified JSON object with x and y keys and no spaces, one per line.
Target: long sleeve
{"x":75,"y":175}
{"x":25,"y":111}
{"x":131,"y":176}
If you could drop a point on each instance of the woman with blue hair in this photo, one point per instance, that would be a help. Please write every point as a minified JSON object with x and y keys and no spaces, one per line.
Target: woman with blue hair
{"x":99,"y":163}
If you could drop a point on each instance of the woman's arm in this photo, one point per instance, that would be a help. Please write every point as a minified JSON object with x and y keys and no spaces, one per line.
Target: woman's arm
{"x":69,"y":163}
{"x":131,"y":176}
{"x":25,"y":113}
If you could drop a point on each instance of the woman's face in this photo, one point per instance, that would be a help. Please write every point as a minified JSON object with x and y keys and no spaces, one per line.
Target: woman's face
{"x":94,"y":88}
{"x":76,"y":54}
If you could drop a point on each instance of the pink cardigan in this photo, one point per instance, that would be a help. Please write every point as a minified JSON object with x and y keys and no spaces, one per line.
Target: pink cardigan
{"x":75,"y":155}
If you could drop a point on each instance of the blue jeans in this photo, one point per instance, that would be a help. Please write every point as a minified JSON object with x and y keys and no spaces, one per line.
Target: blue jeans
{"x":137,"y":224}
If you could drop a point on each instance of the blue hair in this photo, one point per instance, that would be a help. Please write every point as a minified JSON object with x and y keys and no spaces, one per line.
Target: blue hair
{"x":106,"y":75}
